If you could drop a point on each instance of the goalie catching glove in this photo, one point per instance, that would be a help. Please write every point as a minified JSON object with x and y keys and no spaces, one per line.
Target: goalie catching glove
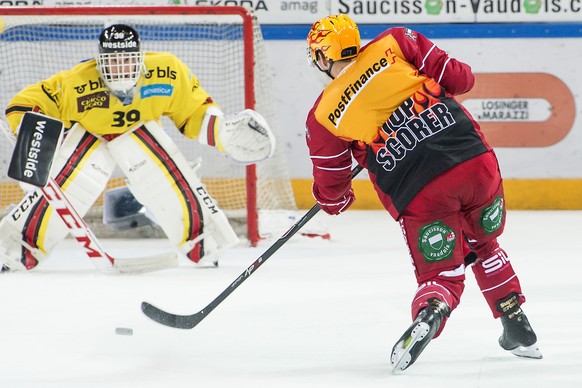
{"x":246,"y":137}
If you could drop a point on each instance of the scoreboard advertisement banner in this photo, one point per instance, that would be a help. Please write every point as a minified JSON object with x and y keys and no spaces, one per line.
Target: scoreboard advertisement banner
{"x":373,"y":11}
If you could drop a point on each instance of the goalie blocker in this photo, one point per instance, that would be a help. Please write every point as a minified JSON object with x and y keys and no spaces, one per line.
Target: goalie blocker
{"x":38,"y":139}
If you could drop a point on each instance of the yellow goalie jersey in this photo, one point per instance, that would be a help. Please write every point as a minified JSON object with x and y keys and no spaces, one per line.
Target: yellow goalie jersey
{"x":79,"y":95}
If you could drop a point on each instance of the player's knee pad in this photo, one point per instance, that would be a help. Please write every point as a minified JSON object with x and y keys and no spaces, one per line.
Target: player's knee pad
{"x":82,"y":168}
{"x":161,"y":179}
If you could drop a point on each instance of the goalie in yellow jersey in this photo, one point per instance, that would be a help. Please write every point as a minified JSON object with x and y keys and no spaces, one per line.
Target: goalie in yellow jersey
{"x":111,"y":108}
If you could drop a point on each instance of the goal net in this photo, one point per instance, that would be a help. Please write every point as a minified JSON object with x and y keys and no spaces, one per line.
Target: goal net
{"x":222,"y":46}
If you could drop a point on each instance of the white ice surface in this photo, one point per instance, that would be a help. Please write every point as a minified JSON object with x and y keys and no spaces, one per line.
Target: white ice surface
{"x":318,"y":313}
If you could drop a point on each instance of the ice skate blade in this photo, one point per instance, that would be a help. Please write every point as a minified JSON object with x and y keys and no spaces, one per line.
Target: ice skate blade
{"x":531,"y":351}
{"x":401,"y":357}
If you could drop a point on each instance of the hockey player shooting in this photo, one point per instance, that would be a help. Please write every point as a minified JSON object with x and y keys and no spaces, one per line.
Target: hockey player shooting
{"x":111,"y":108}
{"x":391,"y":105}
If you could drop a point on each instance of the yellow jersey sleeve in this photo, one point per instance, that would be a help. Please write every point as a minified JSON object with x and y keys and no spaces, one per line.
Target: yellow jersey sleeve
{"x":44,"y":97}
{"x":190,"y":103}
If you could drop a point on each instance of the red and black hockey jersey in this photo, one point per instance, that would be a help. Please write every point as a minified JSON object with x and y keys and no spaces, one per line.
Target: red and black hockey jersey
{"x":392,"y":109}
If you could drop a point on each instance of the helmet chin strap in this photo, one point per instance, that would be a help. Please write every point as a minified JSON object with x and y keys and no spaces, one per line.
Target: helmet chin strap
{"x":328,"y":70}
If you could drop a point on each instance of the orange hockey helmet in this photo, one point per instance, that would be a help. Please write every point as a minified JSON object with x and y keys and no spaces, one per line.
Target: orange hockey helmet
{"x":337,"y":37}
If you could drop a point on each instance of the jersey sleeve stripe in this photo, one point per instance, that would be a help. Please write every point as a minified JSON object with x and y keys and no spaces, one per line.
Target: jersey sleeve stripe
{"x":443,"y":71}
{"x":210,"y":138}
{"x":426,"y":56}
{"x":333,"y":168}
{"x":328,"y":157}
{"x":18,"y":108}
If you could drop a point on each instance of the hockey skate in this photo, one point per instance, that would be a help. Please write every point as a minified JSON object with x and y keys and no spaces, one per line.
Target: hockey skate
{"x":518,"y":337}
{"x":418,"y":335}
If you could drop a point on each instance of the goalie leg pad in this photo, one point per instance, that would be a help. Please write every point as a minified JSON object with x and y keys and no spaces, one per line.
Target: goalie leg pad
{"x":162,"y":180}
{"x":82,"y":168}
{"x":13,"y":248}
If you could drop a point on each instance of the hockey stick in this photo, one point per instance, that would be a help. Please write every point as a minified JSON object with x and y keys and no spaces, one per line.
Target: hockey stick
{"x":190,"y":321}
{"x":79,"y":229}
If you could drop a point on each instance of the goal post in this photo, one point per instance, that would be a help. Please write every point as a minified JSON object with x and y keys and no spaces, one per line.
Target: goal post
{"x":223,"y":47}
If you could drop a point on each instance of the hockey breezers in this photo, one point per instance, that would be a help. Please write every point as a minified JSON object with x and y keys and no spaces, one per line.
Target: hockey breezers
{"x":190,"y":321}
{"x":36,"y":173}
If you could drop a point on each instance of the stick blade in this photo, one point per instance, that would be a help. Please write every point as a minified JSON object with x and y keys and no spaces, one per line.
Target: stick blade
{"x":168,"y":319}
{"x":145,"y":264}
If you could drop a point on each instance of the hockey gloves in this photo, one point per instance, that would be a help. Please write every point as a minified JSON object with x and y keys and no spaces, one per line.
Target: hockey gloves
{"x":337,"y":206}
{"x":246,"y":137}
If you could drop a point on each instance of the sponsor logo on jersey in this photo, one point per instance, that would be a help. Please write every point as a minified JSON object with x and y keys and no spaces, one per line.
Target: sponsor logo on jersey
{"x":353,"y":89}
{"x":410,"y":34}
{"x":436,"y":241}
{"x":90,"y":101}
{"x":93,"y":85}
{"x":406,"y":130}
{"x":492,"y":216}
{"x":80,"y":89}
{"x":161,"y":73}
{"x":156,"y":90}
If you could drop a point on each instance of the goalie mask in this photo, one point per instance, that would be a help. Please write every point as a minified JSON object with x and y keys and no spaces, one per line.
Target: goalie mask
{"x":120,"y":60}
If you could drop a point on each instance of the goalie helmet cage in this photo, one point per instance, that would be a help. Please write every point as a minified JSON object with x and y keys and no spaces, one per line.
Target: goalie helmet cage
{"x":223,"y":47}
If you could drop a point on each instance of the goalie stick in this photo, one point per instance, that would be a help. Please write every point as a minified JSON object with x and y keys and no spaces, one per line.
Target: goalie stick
{"x":190,"y":321}
{"x":78,"y":228}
